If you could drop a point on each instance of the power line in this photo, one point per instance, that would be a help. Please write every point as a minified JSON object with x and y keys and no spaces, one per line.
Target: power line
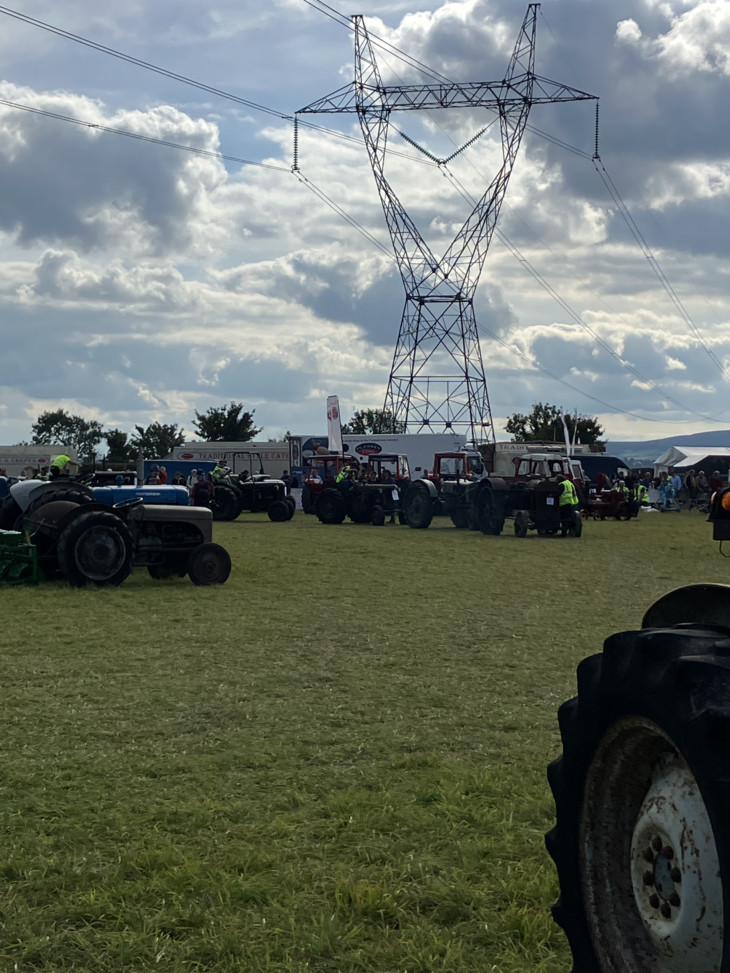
{"x":183,"y":79}
{"x":577,"y":318}
{"x":141,"y":138}
{"x":654,"y":264}
{"x":138,"y":62}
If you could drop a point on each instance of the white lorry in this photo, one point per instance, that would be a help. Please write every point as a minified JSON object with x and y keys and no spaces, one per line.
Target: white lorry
{"x":274,"y":456}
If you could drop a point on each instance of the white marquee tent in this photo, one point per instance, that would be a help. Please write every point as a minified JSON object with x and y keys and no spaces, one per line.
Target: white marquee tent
{"x":681,"y":458}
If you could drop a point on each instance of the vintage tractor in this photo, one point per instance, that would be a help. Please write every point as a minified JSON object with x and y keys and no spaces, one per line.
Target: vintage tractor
{"x":251,"y":491}
{"x":457,"y":487}
{"x":535,"y":505}
{"x":641,"y":841}
{"x":89,"y":543}
{"x":611,"y":504}
{"x":26,"y":496}
{"x":368,"y":494}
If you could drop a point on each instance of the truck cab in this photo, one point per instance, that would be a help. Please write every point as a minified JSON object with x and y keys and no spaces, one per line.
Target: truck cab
{"x":546,"y":466}
{"x":456,"y":466}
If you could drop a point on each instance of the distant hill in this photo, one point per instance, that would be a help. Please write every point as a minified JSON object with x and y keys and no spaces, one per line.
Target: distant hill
{"x":643,"y":453}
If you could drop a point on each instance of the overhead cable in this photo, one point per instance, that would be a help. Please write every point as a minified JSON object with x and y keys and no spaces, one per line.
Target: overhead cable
{"x":654,"y":264}
{"x":142,"y":138}
{"x":69,"y":35}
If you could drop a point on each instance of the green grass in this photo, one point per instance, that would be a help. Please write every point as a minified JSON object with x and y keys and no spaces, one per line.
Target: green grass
{"x":334,"y":762}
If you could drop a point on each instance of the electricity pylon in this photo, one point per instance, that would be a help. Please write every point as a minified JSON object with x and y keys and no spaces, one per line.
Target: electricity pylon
{"x":437,"y":379}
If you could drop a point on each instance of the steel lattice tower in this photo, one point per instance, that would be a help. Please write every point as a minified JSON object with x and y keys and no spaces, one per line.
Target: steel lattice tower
{"x":437,"y":380}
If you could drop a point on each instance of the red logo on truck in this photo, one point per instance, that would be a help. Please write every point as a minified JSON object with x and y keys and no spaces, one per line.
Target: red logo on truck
{"x":368,"y":449}
{"x":186,"y":456}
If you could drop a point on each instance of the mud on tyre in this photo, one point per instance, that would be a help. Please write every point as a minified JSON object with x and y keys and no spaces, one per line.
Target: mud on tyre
{"x":641,"y":841}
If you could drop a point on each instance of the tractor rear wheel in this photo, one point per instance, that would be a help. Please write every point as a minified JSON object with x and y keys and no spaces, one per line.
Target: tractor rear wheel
{"x":417,"y":506}
{"x":641,"y":842}
{"x":209,"y":564}
{"x":95,"y":547}
{"x":490,"y":511}
{"x":73,"y":494}
{"x":331,"y":507}
{"x":225,"y":503}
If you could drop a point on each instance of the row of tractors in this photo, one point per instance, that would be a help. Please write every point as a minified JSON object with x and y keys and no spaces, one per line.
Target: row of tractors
{"x":456,"y":487}
{"x":67,"y":529}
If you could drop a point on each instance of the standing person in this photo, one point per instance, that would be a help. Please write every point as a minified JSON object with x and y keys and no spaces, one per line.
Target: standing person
{"x":676,"y":482}
{"x":163,"y":475}
{"x":568,"y":503}
{"x":715,"y":481}
{"x":286,"y":480}
{"x":202,"y":492}
{"x":690,"y":483}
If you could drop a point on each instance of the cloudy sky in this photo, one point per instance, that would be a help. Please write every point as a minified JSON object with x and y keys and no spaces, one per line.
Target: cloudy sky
{"x":141,"y":282}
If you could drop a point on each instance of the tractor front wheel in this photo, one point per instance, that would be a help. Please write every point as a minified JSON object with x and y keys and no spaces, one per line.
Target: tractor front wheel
{"x":522,"y":522}
{"x":225,"y":505}
{"x":209,"y":564}
{"x":641,"y":842}
{"x":279,"y":511}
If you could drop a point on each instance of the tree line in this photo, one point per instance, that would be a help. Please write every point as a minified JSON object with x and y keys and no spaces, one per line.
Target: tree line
{"x":233,"y":423}
{"x":230,"y":423}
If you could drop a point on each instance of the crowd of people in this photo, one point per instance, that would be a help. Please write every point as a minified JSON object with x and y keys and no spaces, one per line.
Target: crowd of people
{"x":694,"y":489}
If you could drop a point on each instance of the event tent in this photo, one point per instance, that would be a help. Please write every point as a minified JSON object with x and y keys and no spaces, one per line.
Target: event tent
{"x":683,"y":458}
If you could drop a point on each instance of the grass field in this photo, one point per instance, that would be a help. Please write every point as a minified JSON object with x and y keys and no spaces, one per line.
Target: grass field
{"x":334,"y":762}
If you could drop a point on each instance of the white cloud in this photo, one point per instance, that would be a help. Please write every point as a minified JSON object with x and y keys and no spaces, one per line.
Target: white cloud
{"x":141,"y":282}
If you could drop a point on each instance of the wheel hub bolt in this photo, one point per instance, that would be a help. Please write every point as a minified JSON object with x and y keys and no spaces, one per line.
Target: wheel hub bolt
{"x":665,"y":910}
{"x":648,"y":878}
{"x":676,"y":875}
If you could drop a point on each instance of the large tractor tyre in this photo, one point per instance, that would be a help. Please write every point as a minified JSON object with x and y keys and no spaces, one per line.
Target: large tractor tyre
{"x":278,"y":511}
{"x":331,"y":507}
{"x":641,"y":841}
{"x":417,"y":506}
{"x":209,"y":564}
{"x":575,"y":527}
{"x":96,"y":547}
{"x":10,"y":512}
{"x":522,"y":522}
{"x":307,"y":503}
{"x":291,"y":502}
{"x":72,"y":494}
{"x":225,"y":503}
{"x":490,"y":512}
{"x":359,"y":509}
